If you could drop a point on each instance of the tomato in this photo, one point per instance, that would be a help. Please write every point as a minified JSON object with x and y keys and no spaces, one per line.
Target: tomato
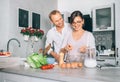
{"x":51,"y":65}
{"x":43,"y":67}
{"x":48,"y":66}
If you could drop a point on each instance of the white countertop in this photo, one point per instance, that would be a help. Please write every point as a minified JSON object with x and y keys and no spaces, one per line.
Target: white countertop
{"x":106,"y":74}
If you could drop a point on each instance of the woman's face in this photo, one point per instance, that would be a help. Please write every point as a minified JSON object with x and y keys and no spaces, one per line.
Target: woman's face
{"x":77,"y":23}
{"x":57,"y":20}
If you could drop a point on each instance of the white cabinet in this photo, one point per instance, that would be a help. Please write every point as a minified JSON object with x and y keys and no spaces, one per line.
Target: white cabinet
{"x":0,"y":77}
{"x":8,"y":77}
{"x":103,"y":18}
{"x":117,"y":23}
{"x":42,"y":80}
{"x":118,"y":43}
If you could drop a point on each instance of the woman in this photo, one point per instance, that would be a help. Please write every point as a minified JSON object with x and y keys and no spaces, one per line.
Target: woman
{"x":77,"y":42}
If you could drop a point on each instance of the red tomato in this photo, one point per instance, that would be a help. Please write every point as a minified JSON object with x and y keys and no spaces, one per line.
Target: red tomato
{"x":48,"y":66}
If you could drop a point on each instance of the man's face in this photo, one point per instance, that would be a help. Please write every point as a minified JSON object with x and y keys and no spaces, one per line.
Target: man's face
{"x":57,"y":20}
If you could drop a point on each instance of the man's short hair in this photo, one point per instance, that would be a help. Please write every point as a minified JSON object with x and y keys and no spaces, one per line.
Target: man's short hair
{"x":53,"y":13}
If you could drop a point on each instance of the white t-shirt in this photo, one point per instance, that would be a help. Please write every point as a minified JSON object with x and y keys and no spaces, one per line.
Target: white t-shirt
{"x":55,"y":38}
{"x":86,"y":40}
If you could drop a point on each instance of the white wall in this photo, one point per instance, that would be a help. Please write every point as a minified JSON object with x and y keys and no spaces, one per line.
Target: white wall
{"x":4,"y":22}
{"x":9,"y":17}
{"x":83,"y":5}
{"x":9,"y":22}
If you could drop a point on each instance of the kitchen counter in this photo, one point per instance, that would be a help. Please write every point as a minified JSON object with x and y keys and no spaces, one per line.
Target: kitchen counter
{"x":106,"y":74}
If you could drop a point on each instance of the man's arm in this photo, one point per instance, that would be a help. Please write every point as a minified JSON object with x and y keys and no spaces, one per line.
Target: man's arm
{"x":55,"y":55}
{"x":49,"y":40}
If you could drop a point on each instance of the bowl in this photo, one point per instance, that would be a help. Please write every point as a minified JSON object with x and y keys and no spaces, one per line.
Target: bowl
{"x":50,"y":60}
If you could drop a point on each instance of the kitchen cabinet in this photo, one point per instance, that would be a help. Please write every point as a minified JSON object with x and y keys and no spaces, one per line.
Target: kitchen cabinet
{"x":42,"y":80}
{"x":103,"y":17}
{"x":118,"y":43}
{"x":106,"y":30}
{"x":8,"y":77}
{"x":117,"y":23}
{"x":0,"y":77}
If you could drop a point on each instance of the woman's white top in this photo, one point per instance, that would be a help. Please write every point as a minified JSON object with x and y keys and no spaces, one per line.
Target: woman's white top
{"x":87,"y":39}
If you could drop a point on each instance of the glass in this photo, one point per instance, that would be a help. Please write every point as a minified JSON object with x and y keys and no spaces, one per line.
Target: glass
{"x":77,"y":57}
{"x":90,"y":58}
{"x":91,"y":53}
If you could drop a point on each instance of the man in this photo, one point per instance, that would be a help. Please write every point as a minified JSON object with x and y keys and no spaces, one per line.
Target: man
{"x":56,"y":35}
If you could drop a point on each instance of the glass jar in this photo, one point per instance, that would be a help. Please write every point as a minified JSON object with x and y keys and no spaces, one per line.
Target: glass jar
{"x":90,"y":58}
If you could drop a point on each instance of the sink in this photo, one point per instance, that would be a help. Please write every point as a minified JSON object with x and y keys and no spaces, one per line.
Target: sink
{"x":9,"y":61}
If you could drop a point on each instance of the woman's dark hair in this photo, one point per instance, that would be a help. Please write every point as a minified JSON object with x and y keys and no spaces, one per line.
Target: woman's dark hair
{"x":75,"y":14}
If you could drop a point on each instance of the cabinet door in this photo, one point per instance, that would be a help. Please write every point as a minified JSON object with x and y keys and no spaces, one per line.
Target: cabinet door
{"x":117,"y":23}
{"x":118,"y":40}
{"x":7,"y":77}
{"x":42,"y":80}
{"x":0,"y":77}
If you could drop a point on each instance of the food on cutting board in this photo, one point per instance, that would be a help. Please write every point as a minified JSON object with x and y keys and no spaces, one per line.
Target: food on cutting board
{"x":80,"y":64}
{"x":48,"y":66}
{"x":36,"y":60}
{"x":68,"y":65}
{"x":71,"y":65}
{"x":74,"y":65}
{"x":63,"y":65}
{"x":5,"y":54}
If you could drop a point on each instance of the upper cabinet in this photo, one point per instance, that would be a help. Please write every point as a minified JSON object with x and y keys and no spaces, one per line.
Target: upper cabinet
{"x":103,"y":18}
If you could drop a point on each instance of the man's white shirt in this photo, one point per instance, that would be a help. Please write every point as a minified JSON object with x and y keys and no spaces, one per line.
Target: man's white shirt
{"x":56,"y":38}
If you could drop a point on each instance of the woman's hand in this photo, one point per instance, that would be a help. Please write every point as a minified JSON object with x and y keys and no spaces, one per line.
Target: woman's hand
{"x":83,"y":49}
{"x":68,"y":47}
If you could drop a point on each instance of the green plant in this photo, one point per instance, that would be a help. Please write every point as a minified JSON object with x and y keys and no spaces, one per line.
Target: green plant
{"x":27,"y":31}
{"x":32,"y":32}
{"x":39,"y":33}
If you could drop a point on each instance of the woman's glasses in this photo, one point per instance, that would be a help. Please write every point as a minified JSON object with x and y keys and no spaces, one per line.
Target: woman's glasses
{"x":77,"y":22}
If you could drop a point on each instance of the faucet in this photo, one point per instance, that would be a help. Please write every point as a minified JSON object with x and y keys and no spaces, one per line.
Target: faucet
{"x":9,"y":43}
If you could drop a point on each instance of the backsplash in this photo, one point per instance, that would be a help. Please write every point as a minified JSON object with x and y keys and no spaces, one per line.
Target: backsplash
{"x":105,"y":38}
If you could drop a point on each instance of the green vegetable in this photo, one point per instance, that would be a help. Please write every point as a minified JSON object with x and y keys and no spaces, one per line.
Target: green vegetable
{"x":31,"y":62}
{"x":36,"y":60}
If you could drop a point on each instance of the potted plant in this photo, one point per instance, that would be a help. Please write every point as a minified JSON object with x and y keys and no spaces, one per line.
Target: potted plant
{"x":29,"y":32}
{"x":39,"y":33}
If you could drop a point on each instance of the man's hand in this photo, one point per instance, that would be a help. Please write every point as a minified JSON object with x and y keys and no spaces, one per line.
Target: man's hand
{"x":55,"y":55}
